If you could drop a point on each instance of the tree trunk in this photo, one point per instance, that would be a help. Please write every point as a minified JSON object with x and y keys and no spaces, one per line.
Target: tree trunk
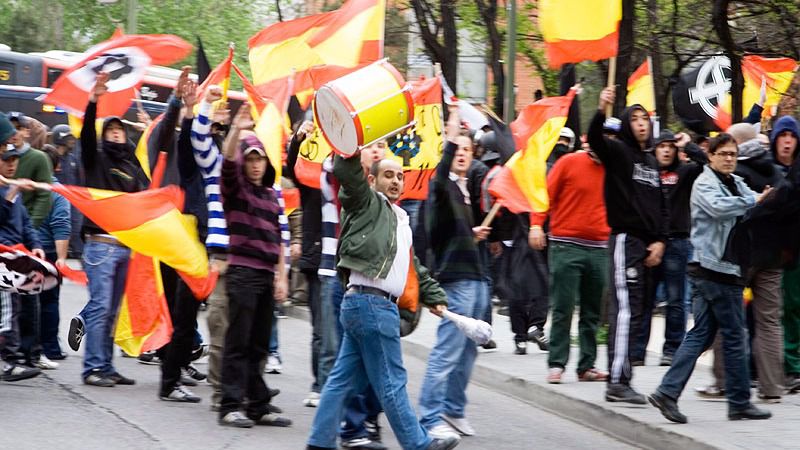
{"x":659,"y":82}
{"x":624,"y":54}
{"x":719,"y":18}
{"x":450,"y":35}
{"x":488,"y":12}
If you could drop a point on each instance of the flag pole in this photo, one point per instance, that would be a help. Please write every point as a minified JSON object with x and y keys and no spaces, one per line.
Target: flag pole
{"x":612,"y":75}
{"x":492,"y":212}
{"x":508,"y":114}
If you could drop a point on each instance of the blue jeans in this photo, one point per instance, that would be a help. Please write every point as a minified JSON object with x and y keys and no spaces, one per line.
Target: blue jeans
{"x":717,"y":307}
{"x":370,"y":354}
{"x":106,"y":267}
{"x":452,"y":359}
{"x":273,"y":337}
{"x":364,"y":405}
{"x":672,"y":272}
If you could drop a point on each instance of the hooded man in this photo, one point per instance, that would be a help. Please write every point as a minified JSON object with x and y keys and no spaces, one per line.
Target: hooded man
{"x":111,"y":165}
{"x":676,"y":182}
{"x":754,"y":164}
{"x":639,"y":220}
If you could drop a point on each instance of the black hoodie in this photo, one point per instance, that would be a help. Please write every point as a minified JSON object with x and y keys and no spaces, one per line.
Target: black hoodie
{"x":108,"y":165}
{"x":676,"y":182}
{"x":634,"y":201}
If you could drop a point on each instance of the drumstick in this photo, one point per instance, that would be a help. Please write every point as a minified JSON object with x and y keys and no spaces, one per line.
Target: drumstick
{"x":45,"y":186}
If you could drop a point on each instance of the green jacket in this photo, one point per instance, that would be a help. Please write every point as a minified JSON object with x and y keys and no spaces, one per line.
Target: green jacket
{"x":368,"y":241}
{"x":35,"y":165}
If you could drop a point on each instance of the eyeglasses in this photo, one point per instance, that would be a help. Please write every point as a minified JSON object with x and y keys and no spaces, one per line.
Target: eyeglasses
{"x":727,"y":155}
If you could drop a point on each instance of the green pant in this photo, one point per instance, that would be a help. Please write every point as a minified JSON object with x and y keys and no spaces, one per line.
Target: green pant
{"x":578,"y":275}
{"x":791,"y":321}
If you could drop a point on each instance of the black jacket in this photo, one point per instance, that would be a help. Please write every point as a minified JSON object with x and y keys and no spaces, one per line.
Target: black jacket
{"x":676,"y":183}
{"x":311,"y":202}
{"x":755,"y":165}
{"x":634,"y":201}
{"x":191,"y":181}
{"x":107,"y":165}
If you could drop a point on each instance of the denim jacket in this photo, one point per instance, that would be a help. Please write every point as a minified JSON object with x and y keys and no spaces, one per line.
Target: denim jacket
{"x":715,"y":210}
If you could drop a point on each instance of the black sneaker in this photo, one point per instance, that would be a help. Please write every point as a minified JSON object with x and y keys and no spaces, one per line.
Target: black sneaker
{"x":666,"y":361}
{"x":373,"y":428}
{"x":76,"y":331}
{"x":792,"y":384}
{"x":149,"y":358}
{"x":617,"y":392}
{"x":535,"y":334}
{"x":199,"y":351}
{"x":749,"y":413}
{"x":193,"y":372}
{"x":363,"y":443}
{"x":269,"y":418}
{"x":186,"y":380}
{"x":96,"y":378}
{"x":667,"y":406}
{"x":16,"y":372}
{"x":521,"y":348}
{"x":120,"y":379}
{"x":180,"y":394}
{"x":444,"y":444}
{"x":490,"y":346}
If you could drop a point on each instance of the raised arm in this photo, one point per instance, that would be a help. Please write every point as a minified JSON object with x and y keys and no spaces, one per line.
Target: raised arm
{"x":88,"y":131}
{"x":206,"y":153}
{"x":293,"y":152}
{"x":231,"y":178}
{"x":354,"y":191}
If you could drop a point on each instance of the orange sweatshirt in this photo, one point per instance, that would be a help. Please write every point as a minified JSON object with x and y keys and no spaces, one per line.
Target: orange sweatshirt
{"x":577,"y":209}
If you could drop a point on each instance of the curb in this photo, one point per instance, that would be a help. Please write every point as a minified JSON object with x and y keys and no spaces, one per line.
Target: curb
{"x":588,"y":414}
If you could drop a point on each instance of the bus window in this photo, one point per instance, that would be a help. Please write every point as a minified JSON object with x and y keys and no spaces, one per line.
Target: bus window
{"x":52,"y":75}
{"x":8,"y":73}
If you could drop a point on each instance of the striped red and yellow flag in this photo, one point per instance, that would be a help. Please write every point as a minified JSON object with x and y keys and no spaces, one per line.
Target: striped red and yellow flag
{"x":778,"y":74}
{"x":142,"y":153}
{"x":641,"y":89}
{"x":152,"y":224}
{"x":521,"y":184}
{"x":579,"y":30}
{"x":220,"y":76}
{"x":347,"y":37}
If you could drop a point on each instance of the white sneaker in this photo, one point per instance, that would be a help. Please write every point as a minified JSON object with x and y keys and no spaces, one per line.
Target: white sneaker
{"x":461,"y":425}
{"x":443,"y":431}
{"x":312,"y":400}
{"x":273,"y":364}
{"x":45,"y":363}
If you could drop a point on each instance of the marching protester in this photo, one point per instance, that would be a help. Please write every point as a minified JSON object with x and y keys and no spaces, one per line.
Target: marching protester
{"x":16,"y":227}
{"x":460,"y":271}
{"x":55,"y":233}
{"x":256,"y":276}
{"x":309,"y":262}
{"x":109,"y":164}
{"x":578,"y":255}
{"x":718,"y":198}
{"x":374,"y":230}
{"x":638,"y":217}
{"x":70,"y":172}
{"x":360,"y":426}
{"x":677,"y":178}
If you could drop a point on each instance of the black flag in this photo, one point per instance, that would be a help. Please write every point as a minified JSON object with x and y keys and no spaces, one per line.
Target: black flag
{"x":699,"y":91}
{"x":203,"y":68}
{"x":566,"y":79}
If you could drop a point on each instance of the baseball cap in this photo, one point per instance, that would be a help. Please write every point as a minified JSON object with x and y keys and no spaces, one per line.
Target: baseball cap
{"x":251,"y":144}
{"x":10,"y":153}
{"x":666,"y":136}
{"x":60,"y":134}
{"x":7,"y":130}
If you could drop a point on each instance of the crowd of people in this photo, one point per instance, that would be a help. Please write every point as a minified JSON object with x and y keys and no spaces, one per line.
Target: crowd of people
{"x":701,"y":227}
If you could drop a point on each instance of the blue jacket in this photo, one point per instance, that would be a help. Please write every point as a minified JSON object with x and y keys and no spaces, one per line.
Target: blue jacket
{"x":715,"y":211}
{"x":15,"y":224}
{"x":57,"y":225}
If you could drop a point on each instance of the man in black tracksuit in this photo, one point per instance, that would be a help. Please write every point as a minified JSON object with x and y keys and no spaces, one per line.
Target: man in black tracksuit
{"x":638,"y":216}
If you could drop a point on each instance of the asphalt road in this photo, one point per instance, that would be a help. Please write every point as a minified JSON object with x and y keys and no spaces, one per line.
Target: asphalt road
{"x":57,"y":411}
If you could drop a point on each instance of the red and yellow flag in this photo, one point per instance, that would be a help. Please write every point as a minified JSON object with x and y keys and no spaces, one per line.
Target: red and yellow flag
{"x":579,"y":30}
{"x":419,"y":150}
{"x":521,"y":184}
{"x":776,"y":72}
{"x":151,"y":225}
{"x":641,"y":89}
{"x":347,"y":37}
{"x":220,"y":76}
{"x":313,"y":151}
{"x":142,"y":153}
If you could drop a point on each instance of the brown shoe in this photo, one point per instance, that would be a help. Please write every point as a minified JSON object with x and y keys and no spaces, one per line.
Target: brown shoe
{"x":554,"y":375}
{"x":593,"y":374}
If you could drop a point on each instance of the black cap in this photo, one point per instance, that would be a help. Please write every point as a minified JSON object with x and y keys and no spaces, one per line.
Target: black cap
{"x":10,"y":153}
{"x":666,"y":136}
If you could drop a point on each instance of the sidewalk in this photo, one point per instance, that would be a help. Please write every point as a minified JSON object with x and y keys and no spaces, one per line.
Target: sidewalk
{"x":643,"y":426}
